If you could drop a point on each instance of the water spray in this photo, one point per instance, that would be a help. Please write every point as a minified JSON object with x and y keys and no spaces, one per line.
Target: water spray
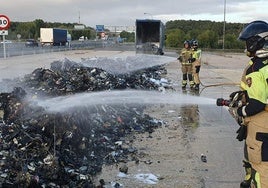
{"x":136,"y":97}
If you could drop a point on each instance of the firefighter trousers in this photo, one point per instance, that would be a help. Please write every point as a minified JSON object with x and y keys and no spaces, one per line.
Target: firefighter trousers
{"x":187,"y":74}
{"x":257,"y":148}
{"x":195,"y":71}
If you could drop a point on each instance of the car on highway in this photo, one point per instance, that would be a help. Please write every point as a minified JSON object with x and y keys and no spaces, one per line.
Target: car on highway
{"x":82,"y":38}
{"x":31,"y":43}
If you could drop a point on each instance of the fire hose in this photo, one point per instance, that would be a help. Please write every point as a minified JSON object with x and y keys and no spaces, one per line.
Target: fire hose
{"x":219,"y":84}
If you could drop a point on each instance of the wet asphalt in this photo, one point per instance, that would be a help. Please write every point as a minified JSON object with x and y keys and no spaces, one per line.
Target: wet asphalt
{"x":216,"y":132}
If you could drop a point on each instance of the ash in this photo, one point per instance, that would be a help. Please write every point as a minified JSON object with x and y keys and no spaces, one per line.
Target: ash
{"x":44,"y":149}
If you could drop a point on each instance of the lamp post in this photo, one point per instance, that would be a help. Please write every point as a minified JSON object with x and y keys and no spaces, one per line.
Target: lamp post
{"x":223,"y":35}
{"x":148,"y":14}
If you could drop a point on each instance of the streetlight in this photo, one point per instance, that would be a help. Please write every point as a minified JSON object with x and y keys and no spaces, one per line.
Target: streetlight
{"x":148,"y":14}
{"x":224,"y":13}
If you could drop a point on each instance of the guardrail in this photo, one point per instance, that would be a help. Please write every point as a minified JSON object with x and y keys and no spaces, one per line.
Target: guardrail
{"x":19,"y":48}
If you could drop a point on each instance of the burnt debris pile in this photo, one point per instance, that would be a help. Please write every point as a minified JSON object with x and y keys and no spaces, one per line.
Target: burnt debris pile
{"x":66,"y":149}
{"x":67,"y":77}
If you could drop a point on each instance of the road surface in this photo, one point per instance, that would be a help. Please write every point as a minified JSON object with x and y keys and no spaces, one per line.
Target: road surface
{"x":173,"y":152}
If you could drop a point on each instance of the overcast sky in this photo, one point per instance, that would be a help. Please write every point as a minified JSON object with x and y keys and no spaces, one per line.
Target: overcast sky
{"x":125,"y":12}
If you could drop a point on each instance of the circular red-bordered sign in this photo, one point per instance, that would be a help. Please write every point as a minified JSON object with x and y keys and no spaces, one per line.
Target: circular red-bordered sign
{"x":4,"y":22}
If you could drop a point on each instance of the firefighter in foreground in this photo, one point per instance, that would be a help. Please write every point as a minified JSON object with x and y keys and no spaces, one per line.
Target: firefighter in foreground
{"x":196,"y":65}
{"x":252,"y":112}
{"x":185,"y":59}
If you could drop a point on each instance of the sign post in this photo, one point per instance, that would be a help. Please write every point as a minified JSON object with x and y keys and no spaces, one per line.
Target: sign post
{"x":4,"y":25}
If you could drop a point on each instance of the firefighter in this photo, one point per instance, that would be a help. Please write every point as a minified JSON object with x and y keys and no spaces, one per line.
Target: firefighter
{"x":254,"y":112}
{"x":185,"y":59}
{"x":196,"y":63}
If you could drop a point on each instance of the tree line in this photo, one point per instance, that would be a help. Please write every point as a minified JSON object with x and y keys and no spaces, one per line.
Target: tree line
{"x":209,"y":34}
{"x":32,"y":29}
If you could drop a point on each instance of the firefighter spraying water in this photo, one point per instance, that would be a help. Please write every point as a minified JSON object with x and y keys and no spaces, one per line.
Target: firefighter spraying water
{"x":249,"y":106}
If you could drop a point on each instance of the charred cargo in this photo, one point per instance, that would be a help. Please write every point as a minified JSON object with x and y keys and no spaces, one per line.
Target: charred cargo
{"x":149,"y":37}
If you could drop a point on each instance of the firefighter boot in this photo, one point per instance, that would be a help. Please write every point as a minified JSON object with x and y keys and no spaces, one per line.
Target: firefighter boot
{"x":196,"y":87}
{"x":184,"y":81}
{"x":192,"y":85}
{"x":183,"y":85}
{"x":190,"y":77}
{"x":247,"y":180}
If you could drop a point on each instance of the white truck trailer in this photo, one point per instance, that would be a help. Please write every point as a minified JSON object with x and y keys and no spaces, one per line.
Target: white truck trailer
{"x":53,"y":36}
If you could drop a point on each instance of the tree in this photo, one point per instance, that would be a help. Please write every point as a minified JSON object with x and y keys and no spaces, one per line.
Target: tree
{"x":38,"y":24}
{"x":231,"y":42}
{"x":26,"y":30}
{"x":129,"y":37}
{"x":208,"y":33}
{"x":81,"y":32}
{"x":207,"y":39}
{"x":175,"y":38}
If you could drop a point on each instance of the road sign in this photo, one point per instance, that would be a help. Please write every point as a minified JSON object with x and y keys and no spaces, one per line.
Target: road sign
{"x":3,"y":32}
{"x":100,"y":28}
{"x":4,"y":22}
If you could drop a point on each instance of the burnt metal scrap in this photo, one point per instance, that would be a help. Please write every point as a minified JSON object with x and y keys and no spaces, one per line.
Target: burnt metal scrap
{"x":42,"y":149}
{"x":66,"y":149}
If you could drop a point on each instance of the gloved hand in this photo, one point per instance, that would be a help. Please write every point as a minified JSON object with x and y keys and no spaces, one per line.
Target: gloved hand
{"x":191,"y":60}
{"x":179,"y":58}
{"x":238,"y":98}
{"x":241,"y":133}
{"x":197,"y":69}
{"x":239,"y":93}
{"x":234,"y":114}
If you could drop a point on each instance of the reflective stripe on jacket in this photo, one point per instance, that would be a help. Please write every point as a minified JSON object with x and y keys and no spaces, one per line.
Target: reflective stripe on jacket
{"x":254,"y":81}
{"x":257,"y":81}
